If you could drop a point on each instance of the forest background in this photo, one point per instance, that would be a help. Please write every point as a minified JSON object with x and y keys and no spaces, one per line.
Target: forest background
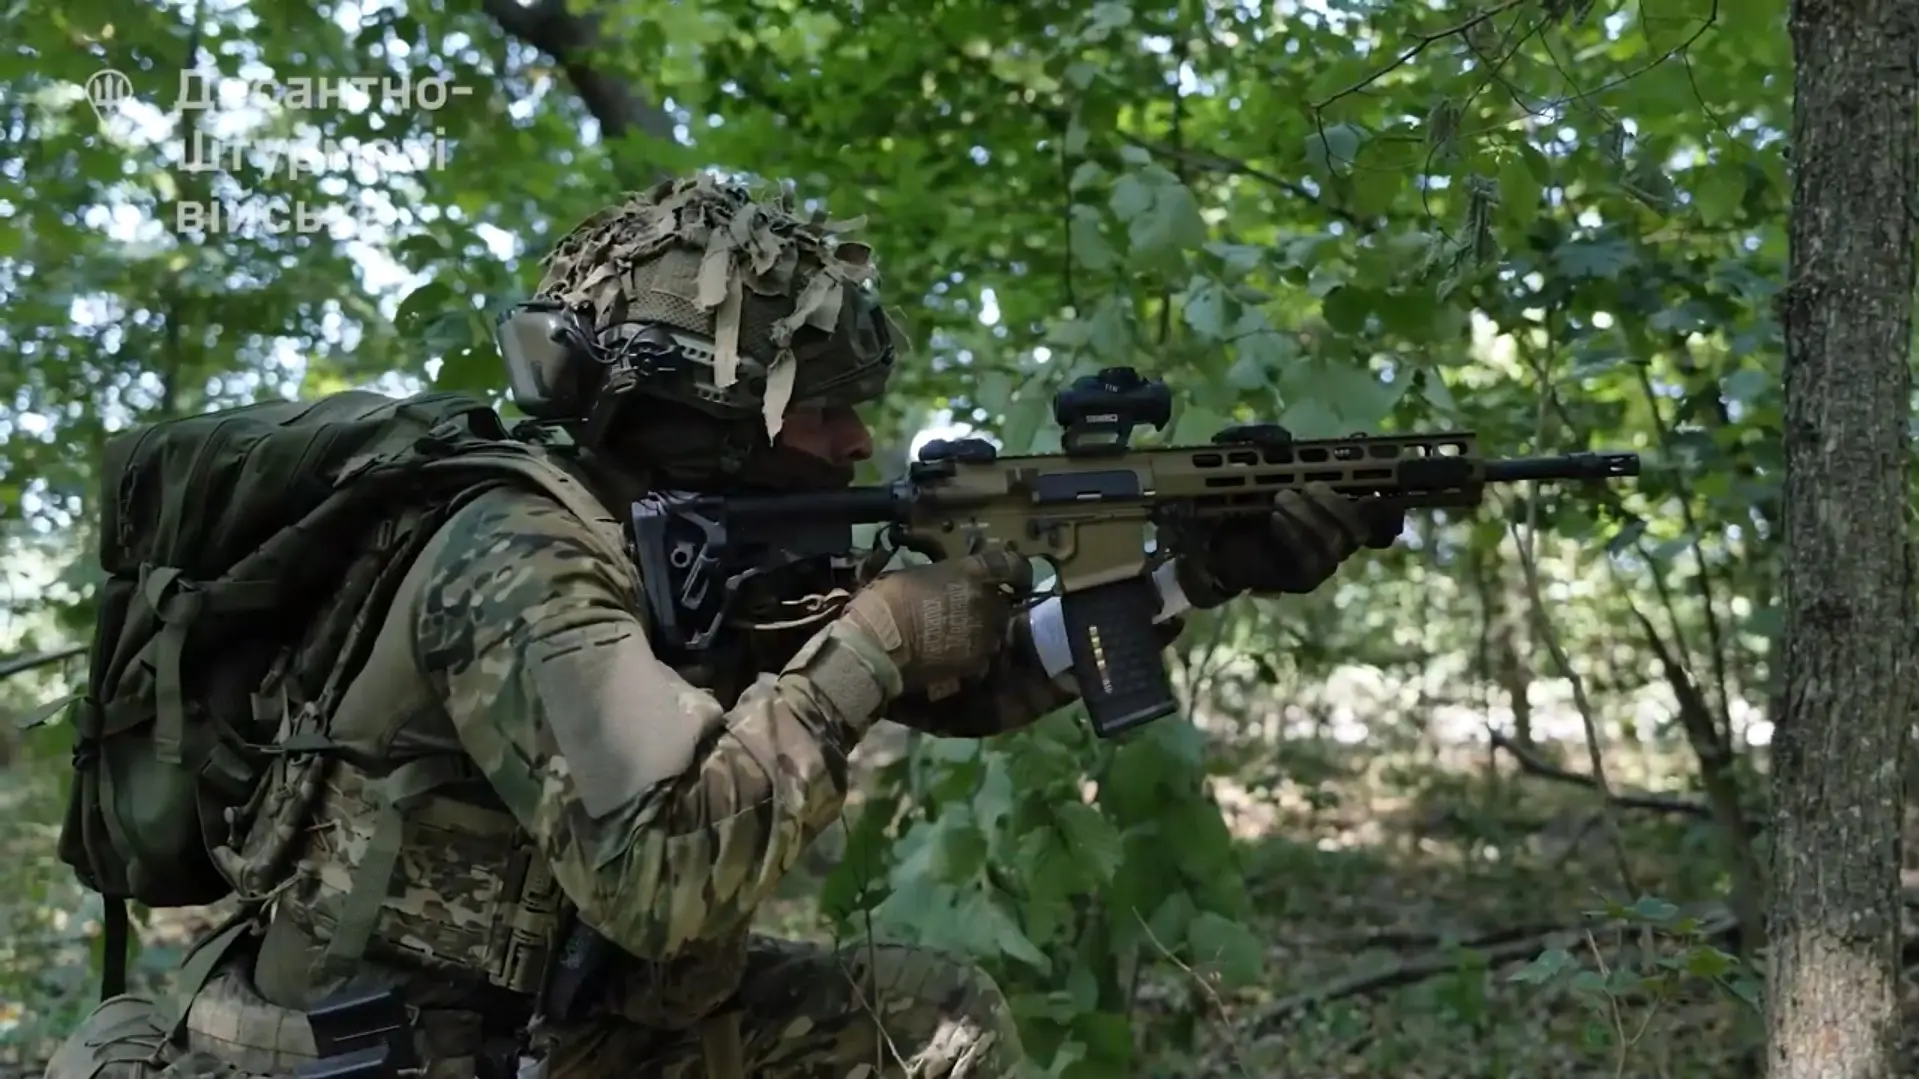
{"x":1491,"y":803}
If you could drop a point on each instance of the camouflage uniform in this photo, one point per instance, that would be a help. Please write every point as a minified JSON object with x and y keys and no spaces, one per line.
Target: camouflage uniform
{"x":512,"y":749}
{"x":664,"y":816}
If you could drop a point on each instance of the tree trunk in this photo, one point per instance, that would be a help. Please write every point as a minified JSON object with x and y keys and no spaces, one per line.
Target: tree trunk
{"x":1833,"y":987}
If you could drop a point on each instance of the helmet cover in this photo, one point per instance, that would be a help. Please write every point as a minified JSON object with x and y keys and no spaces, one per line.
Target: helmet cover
{"x":768,"y":308}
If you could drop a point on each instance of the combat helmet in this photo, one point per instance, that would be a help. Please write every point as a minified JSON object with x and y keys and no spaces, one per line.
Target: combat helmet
{"x":700,"y":294}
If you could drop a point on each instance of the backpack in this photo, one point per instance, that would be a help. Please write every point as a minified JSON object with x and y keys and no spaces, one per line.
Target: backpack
{"x":223,"y":537}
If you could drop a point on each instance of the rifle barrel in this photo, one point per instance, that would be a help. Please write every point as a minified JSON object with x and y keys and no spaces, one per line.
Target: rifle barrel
{"x":851,"y":505}
{"x":1569,"y":466}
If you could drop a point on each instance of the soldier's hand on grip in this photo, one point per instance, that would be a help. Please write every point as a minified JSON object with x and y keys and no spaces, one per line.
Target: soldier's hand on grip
{"x":945,"y":621}
{"x":1293,"y":550}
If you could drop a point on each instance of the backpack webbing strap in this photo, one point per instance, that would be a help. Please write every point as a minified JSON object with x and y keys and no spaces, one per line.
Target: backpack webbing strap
{"x":170,"y":1012}
{"x":113,"y":960}
{"x":720,"y":1046}
{"x":178,"y":602}
{"x":394,"y":795}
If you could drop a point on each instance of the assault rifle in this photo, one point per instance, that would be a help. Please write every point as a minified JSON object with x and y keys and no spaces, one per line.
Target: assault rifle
{"x":1085,"y":510}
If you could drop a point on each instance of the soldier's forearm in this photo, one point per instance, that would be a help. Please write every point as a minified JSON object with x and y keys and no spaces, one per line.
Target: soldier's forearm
{"x":705,"y":849}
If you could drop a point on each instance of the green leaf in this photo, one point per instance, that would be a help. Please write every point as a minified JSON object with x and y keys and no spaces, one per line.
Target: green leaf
{"x":1238,"y":259}
{"x":1433,"y":388}
{"x":1108,"y":15}
{"x":1595,"y":258}
{"x":1544,"y":967}
{"x":1332,"y":149}
{"x":1263,"y":352}
{"x":1653,"y":909}
{"x":1076,"y":136}
{"x":1205,"y":308}
{"x":1091,"y":837}
{"x":1355,"y":397}
{"x":1110,"y":331}
{"x":1375,"y":191}
{"x":1706,"y":961}
{"x":1226,"y":947}
{"x":992,"y":925}
{"x":1589,"y":982}
{"x":996,"y":798}
{"x":1173,"y":225}
{"x":1109,"y":1041}
{"x":1131,"y":197}
{"x":1088,"y":242}
{"x":1310,"y":418}
{"x":1746,"y":384}
{"x":1519,"y":189}
{"x":1037,"y":763}
{"x":1346,"y":308}
{"x":1170,"y":922}
{"x":472,"y":369}
{"x":430,"y":301}
{"x":421,"y":248}
{"x":1412,"y":314}
{"x":1024,"y":418}
{"x":1538,"y":166}
{"x":1039,"y":849}
{"x":1192,"y":426}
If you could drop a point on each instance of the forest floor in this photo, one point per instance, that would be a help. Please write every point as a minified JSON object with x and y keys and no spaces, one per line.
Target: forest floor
{"x":1397,"y":904}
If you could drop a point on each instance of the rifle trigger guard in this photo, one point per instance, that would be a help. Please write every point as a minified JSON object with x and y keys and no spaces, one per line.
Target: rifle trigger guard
{"x":899,"y":538}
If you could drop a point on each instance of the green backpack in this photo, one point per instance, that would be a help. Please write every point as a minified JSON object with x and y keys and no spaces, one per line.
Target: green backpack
{"x":223,"y":536}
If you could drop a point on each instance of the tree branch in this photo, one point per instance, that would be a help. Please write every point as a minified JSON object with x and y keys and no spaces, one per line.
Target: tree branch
{"x":1533,"y":764}
{"x":1182,"y":157}
{"x":1497,"y":949}
{"x":575,"y":41}
{"x":13,"y":665}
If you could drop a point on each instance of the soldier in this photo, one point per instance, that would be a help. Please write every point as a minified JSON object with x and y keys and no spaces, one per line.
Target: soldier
{"x":515,"y":758}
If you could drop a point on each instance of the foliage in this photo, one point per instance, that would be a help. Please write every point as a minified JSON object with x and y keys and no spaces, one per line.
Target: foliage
{"x":1555,"y":222}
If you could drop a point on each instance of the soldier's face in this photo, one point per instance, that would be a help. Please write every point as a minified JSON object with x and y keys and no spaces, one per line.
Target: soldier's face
{"x":833,"y":433}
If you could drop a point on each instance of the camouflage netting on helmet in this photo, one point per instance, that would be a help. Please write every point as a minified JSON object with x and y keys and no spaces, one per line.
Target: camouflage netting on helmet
{"x":769,"y":306}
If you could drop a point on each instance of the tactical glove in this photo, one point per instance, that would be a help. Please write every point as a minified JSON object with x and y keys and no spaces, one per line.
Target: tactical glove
{"x":1292,"y":550}
{"x":943,"y":622}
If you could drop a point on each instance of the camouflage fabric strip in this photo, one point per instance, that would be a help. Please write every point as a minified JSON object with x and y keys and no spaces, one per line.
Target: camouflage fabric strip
{"x":666,"y":820}
{"x":745,"y":247}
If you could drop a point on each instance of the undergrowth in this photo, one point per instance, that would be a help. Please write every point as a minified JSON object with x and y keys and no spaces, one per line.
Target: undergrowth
{"x":1433,"y":919}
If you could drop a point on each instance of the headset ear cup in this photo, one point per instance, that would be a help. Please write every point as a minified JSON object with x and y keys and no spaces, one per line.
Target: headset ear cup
{"x":549,"y":362}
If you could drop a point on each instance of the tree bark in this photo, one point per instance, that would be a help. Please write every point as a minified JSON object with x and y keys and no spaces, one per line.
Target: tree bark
{"x":1833,"y":987}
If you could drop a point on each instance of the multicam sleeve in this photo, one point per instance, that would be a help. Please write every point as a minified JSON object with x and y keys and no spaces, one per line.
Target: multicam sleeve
{"x":666,"y":818}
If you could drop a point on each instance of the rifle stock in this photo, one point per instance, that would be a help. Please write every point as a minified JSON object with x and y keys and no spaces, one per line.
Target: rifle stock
{"x":1085,"y":511}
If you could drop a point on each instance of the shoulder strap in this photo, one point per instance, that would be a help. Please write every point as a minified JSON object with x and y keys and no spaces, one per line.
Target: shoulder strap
{"x":532,"y":465}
